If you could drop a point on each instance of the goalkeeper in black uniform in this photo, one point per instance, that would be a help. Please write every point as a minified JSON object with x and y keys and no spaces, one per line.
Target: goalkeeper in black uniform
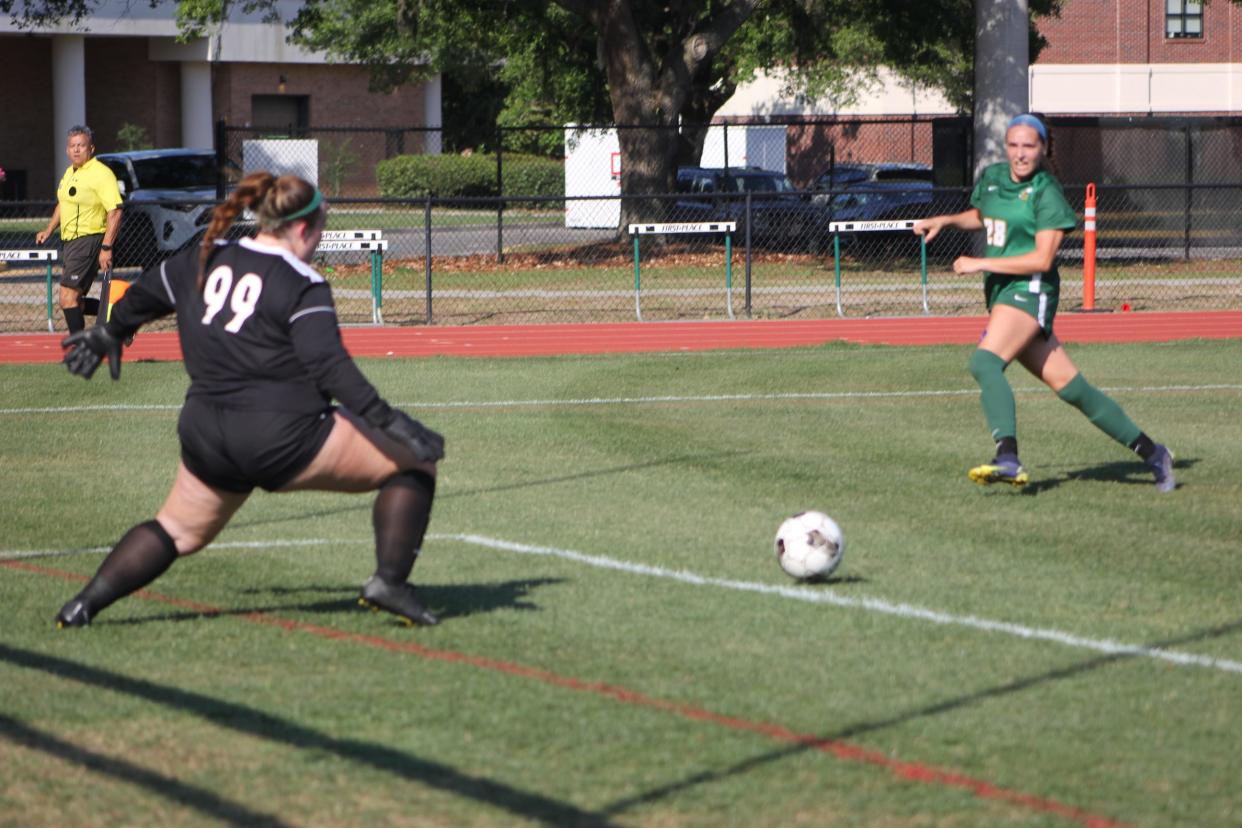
{"x":262,"y":347}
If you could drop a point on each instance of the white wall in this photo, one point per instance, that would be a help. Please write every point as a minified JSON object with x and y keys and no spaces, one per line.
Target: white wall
{"x":1136,"y":88}
{"x":890,"y":95}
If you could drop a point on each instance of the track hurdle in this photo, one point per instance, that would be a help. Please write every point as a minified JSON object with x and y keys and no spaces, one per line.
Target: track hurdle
{"x":696,"y":227}
{"x":48,"y":256}
{"x":839,"y":227}
{"x":371,"y":241}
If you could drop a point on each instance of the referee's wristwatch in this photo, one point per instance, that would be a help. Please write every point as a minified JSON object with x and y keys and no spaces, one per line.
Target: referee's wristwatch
{"x":105,"y":247}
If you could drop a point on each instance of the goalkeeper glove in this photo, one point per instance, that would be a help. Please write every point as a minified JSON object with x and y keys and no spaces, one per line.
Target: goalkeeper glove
{"x":87,"y":348}
{"x":425,"y":444}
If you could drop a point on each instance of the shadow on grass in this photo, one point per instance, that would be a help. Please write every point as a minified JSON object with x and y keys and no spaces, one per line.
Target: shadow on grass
{"x":365,"y":505}
{"x":258,"y":724}
{"x":1129,"y":472}
{"x":862,"y":729}
{"x":180,"y":793}
{"x":447,"y":601}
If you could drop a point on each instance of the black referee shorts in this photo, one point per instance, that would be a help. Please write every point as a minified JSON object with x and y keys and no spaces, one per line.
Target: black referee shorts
{"x":236,"y":450}
{"x":81,"y":258}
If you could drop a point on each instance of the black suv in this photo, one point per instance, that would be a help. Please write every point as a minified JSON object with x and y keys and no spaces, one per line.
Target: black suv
{"x":847,"y":174}
{"x":781,"y":214}
{"x":164,"y":192}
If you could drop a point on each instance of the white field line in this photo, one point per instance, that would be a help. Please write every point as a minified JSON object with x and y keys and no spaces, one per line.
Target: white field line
{"x":796,"y":593}
{"x":825,"y":596}
{"x":688,"y":398}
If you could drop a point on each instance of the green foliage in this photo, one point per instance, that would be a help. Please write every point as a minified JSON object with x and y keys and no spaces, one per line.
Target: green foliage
{"x":533,"y":175}
{"x":467,"y":176}
{"x":339,"y":157}
{"x":437,"y":176}
{"x":133,"y":137}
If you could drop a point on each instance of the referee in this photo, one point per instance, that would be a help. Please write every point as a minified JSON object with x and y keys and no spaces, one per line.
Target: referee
{"x":88,"y":212}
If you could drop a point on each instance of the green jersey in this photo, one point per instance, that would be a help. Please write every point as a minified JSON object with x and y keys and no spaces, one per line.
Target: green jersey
{"x":1014,"y":212}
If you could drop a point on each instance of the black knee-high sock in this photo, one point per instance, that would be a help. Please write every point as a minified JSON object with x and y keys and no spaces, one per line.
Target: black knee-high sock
{"x":400,"y":516}
{"x":74,"y":319}
{"x":142,"y":555}
{"x":90,"y":306}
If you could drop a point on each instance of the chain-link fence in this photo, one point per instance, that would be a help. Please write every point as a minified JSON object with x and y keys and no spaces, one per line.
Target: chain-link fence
{"x":1169,"y":217}
{"x":470,"y":261}
{"x":1113,"y":151}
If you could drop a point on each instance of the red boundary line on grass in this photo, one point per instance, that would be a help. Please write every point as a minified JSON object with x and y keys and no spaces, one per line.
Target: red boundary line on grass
{"x":911,"y":771}
{"x":634,"y":337}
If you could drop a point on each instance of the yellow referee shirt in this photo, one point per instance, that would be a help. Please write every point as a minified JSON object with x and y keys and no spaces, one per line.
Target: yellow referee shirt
{"x":86,"y":196}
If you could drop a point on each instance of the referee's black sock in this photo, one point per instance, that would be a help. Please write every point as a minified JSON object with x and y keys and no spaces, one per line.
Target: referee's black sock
{"x":74,"y":319}
{"x":90,"y":306}
{"x":400,"y":516}
{"x":142,"y":555}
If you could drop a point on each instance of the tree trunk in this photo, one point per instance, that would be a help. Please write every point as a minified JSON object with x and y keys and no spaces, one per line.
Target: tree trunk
{"x":649,"y":95}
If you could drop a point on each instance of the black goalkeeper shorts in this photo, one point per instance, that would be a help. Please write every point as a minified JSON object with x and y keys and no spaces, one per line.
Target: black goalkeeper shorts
{"x":237,"y":449}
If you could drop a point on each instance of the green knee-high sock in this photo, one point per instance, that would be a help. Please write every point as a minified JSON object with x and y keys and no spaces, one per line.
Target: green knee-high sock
{"x":997,"y":397}
{"x":1101,"y":410}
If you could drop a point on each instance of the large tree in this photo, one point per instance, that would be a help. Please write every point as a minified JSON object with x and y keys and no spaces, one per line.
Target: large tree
{"x":658,"y":68}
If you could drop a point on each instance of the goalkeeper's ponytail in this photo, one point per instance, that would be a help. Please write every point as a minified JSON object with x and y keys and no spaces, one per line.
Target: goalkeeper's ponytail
{"x":274,"y":202}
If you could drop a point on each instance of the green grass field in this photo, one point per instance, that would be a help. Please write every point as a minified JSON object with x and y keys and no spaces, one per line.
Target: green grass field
{"x":618,"y":644}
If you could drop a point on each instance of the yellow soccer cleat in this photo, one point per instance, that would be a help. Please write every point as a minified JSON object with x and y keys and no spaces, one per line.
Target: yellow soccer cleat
{"x":1004,"y":468}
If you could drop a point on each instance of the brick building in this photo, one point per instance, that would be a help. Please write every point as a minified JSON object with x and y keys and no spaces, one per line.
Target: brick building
{"x":1137,"y":57}
{"x":123,"y":66}
{"x":1112,"y":59}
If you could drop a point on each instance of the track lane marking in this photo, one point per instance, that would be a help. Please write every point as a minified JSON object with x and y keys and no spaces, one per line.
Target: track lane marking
{"x":797,"y":593}
{"x":846,"y":751}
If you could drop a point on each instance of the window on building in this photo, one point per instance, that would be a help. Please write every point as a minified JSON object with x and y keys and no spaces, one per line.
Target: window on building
{"x":1183,"y":18}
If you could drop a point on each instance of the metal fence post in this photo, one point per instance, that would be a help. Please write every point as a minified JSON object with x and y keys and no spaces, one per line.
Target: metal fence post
{"x":748,"y":252}
{"x":500,"y":191}
{"x":1190,"y":180}
{"x":222,"y":157}
{"x":427,"y":252}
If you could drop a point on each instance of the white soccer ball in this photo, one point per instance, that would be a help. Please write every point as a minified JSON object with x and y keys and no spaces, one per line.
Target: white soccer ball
{"x":809,"y":545}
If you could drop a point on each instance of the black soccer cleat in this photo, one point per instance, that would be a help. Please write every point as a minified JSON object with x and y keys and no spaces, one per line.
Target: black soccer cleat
{"x":399,"y":599}
{"x":73,"y":614}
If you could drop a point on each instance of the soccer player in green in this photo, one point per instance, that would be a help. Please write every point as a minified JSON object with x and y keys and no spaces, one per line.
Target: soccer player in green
{"x":1024,"y":214}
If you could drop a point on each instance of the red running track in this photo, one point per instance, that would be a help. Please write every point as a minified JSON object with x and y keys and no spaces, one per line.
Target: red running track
{"x":633,"y":337}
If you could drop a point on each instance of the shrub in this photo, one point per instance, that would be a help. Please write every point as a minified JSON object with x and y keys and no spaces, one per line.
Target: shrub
{"x":438,"y":176}
{"x":532,"y":175}
{"x":465,"y":176}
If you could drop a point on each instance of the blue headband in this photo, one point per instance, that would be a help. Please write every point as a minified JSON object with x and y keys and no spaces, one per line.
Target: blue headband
{"x":1031,"y":121}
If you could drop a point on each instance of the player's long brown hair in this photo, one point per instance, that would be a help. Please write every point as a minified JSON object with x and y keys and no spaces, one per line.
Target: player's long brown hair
{"x":271,"y":200}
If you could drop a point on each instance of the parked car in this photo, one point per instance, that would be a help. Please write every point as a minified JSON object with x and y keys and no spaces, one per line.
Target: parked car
{"x":843,"y":175}
{"x":882,"y":201}
{"x":159,"y":189}
{"x":866,"y":201}
{"x":781,"y":214}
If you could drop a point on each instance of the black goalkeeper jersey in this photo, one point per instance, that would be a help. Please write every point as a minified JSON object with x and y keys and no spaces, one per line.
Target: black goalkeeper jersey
{"x":261,"y":334}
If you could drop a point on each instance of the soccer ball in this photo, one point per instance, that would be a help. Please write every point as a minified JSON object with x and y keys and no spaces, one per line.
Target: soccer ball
{"x":809,"y":545}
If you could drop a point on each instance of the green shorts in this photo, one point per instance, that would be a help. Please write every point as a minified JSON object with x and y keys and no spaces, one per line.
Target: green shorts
{"x":1036,"y":295}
